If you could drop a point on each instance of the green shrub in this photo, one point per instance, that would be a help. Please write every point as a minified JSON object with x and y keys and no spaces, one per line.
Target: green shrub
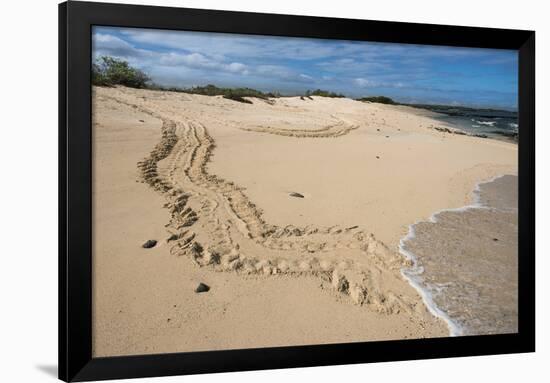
{"x":98,"y":77}
{"x":109,"y":71}
{"x":323,"y":93}
{"x":378,"y":99}
{"x":236,"y":94}
{"x":238,"y":98}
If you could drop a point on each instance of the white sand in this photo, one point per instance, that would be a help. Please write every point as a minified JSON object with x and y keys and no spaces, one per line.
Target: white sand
{"x":282,"y":270}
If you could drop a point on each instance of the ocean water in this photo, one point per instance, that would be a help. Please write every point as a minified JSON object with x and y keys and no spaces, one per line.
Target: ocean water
{"x":465,"y":261}
{"x":497,"y":124}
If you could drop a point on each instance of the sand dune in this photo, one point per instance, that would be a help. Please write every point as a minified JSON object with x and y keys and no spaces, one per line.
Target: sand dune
{"x":225,"y":172}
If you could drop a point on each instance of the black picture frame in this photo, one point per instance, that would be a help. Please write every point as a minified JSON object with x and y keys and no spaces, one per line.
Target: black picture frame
{"x":75,"y":209}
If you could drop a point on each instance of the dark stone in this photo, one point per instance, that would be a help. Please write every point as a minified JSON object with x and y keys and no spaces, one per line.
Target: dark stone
{"x":495,"y":239}
{"x":173,"y":237}
{"x":150,"y":243}
{"x":443,"y":130}
{"x":141,"y":121}
{"x":297,"y":195}
{"x":377,"y":157}
{"x":202,"y":288}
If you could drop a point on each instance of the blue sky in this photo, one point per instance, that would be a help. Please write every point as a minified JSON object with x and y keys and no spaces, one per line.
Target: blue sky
{"x":405,"y":72}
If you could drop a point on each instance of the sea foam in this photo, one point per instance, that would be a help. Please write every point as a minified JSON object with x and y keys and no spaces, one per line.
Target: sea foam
{"x":413,"y":274}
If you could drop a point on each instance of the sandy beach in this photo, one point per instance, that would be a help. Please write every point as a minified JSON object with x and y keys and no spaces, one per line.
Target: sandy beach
{"x":291,"y":210}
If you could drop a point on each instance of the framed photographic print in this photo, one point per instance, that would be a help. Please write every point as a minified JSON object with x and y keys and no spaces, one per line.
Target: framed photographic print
{"x":248,"y":191}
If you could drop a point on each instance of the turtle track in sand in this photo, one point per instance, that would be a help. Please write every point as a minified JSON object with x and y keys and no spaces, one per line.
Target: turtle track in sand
{"x":215,"y":224}
{"x":336,"y":130}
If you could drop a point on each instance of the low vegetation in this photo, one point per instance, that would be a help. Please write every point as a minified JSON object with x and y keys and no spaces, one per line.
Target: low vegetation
{"x":109,"y":71}
{"x":238,"y":98}
{"x":378,"y":99}
{"x":323,"y":93}
{"x":229,"y":93}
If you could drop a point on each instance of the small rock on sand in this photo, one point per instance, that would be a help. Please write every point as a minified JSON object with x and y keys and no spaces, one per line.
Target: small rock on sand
{"x":173,"y":237}
{"x":150,"y":243}
{"x":297,"y":195}
{"x":202,"y":288}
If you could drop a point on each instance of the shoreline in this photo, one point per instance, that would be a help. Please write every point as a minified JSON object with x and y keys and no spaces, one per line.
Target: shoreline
{"x":454,"y":127}
{"x":413,"y":274}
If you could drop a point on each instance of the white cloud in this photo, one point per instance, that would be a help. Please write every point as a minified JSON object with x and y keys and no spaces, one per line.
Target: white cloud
{"x":283,"y":73}
{"x":364,"y":83}
{"x":105,"y":44}
{"x":237,"y":68}
{"x":274,"y":70}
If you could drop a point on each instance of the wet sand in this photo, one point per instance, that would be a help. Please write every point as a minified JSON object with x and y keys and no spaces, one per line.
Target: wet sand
{"x":468,"y":260}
